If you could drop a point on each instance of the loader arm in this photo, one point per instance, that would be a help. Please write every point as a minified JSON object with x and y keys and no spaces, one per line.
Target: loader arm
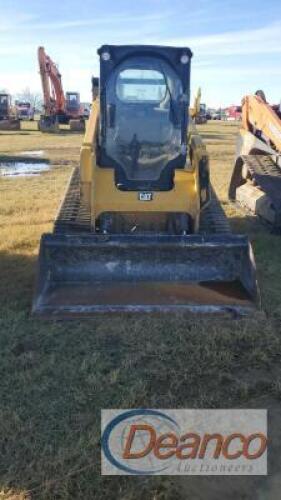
{"x":195,"y":110}
{"x":259,"y":118}
{"x":88,"y":156}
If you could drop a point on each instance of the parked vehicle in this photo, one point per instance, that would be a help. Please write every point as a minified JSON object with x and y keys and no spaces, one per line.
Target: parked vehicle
{"x":233,"y":113}
{"x":59,"y":107}
{"x":24,"y":110}
{"x":8,"y":118}
{"x":216,"y":115}
{"x":140,"y":228}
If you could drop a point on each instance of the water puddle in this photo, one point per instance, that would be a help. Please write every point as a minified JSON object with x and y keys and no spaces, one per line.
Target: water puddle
{"x":22,"y":169}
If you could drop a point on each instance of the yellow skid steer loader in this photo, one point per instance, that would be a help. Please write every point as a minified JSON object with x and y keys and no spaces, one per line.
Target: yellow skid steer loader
{"x":140,"y":228}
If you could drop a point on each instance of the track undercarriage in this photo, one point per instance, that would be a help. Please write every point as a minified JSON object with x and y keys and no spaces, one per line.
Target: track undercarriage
{"x":256,"y":185}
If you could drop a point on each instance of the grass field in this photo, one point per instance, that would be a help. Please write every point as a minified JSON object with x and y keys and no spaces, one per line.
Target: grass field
{"x":56,"y":377}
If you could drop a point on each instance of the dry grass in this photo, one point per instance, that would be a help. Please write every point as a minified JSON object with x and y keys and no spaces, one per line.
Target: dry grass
{"x":56,"y":377}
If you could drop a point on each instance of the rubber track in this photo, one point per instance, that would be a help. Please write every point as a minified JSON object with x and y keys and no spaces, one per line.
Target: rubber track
{"x":213,"y":219}
{"x":74,"y":218}
{"x":72,"y":215}
{"x":266,"y":175}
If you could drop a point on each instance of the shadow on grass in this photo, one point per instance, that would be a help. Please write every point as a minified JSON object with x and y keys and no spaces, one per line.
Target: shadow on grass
{"x":220,"y":137}
{"x":266,"y":247}
{"x":71,"y":132}
{"x":62,"y":133}
{"x":17,"y":274}
{"x":248,"y":224}
{"x":16,"y":132}
{"x":57,"y":376}
{"x":23,"y":159}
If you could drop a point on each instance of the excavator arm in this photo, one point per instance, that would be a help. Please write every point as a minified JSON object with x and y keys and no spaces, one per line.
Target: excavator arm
{"x":259,"y":118}
{"x":195,"y":110}
{"x":54,"y":99}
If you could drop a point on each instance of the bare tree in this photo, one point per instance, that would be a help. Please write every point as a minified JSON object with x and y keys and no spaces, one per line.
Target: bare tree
{"x":34,"y":98}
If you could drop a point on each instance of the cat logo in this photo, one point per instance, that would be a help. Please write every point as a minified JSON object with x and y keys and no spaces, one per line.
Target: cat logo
{"x":145,"y":196}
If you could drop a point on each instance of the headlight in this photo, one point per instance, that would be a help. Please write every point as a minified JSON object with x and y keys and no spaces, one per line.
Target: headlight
{"x":105,"y":56}
{"x":184,"y":59}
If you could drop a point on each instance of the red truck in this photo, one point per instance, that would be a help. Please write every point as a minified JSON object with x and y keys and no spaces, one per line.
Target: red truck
{"x":233,"y":113}
{"x":24,"y":110}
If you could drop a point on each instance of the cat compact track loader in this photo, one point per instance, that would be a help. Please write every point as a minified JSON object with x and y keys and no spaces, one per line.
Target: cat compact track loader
{"x":140,"y":228}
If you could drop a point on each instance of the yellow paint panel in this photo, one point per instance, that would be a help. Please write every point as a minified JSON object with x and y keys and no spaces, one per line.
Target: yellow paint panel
{"x":107,"y":198}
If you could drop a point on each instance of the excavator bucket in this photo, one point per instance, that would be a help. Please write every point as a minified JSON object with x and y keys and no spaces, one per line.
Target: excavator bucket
{"x":84,"y":274}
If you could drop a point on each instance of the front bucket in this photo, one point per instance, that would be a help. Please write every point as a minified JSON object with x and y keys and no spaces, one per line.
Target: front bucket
{"x":80,"y":275}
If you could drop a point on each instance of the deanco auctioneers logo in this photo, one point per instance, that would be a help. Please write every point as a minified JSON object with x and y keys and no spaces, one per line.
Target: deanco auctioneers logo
{"x":184,"y":442}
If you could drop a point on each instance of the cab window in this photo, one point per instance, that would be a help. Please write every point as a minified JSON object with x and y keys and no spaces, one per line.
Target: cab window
{"x":141,"y":85}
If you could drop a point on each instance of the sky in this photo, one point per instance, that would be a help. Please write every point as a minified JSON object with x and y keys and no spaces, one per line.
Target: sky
{"x":236,"y":44}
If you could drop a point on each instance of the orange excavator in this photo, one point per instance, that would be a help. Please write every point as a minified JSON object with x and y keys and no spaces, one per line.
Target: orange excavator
{"x":58,"y":107}
{"x":256,"y":178}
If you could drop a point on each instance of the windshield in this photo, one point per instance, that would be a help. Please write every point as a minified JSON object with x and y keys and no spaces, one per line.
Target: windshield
{"x":144,"y":113}
{"x":25,"y":104}
{"x":141,"y":85}
{"x":72,"y":102}
{"x":72,"y":97}
{"x":3,"y":99}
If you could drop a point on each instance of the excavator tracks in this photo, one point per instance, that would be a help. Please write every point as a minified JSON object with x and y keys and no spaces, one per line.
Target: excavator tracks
{"x":262,"y":193}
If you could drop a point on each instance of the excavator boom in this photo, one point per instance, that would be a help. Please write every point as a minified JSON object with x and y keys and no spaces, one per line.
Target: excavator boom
{"x":54,"y":100}
{"x":259,"y":117}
